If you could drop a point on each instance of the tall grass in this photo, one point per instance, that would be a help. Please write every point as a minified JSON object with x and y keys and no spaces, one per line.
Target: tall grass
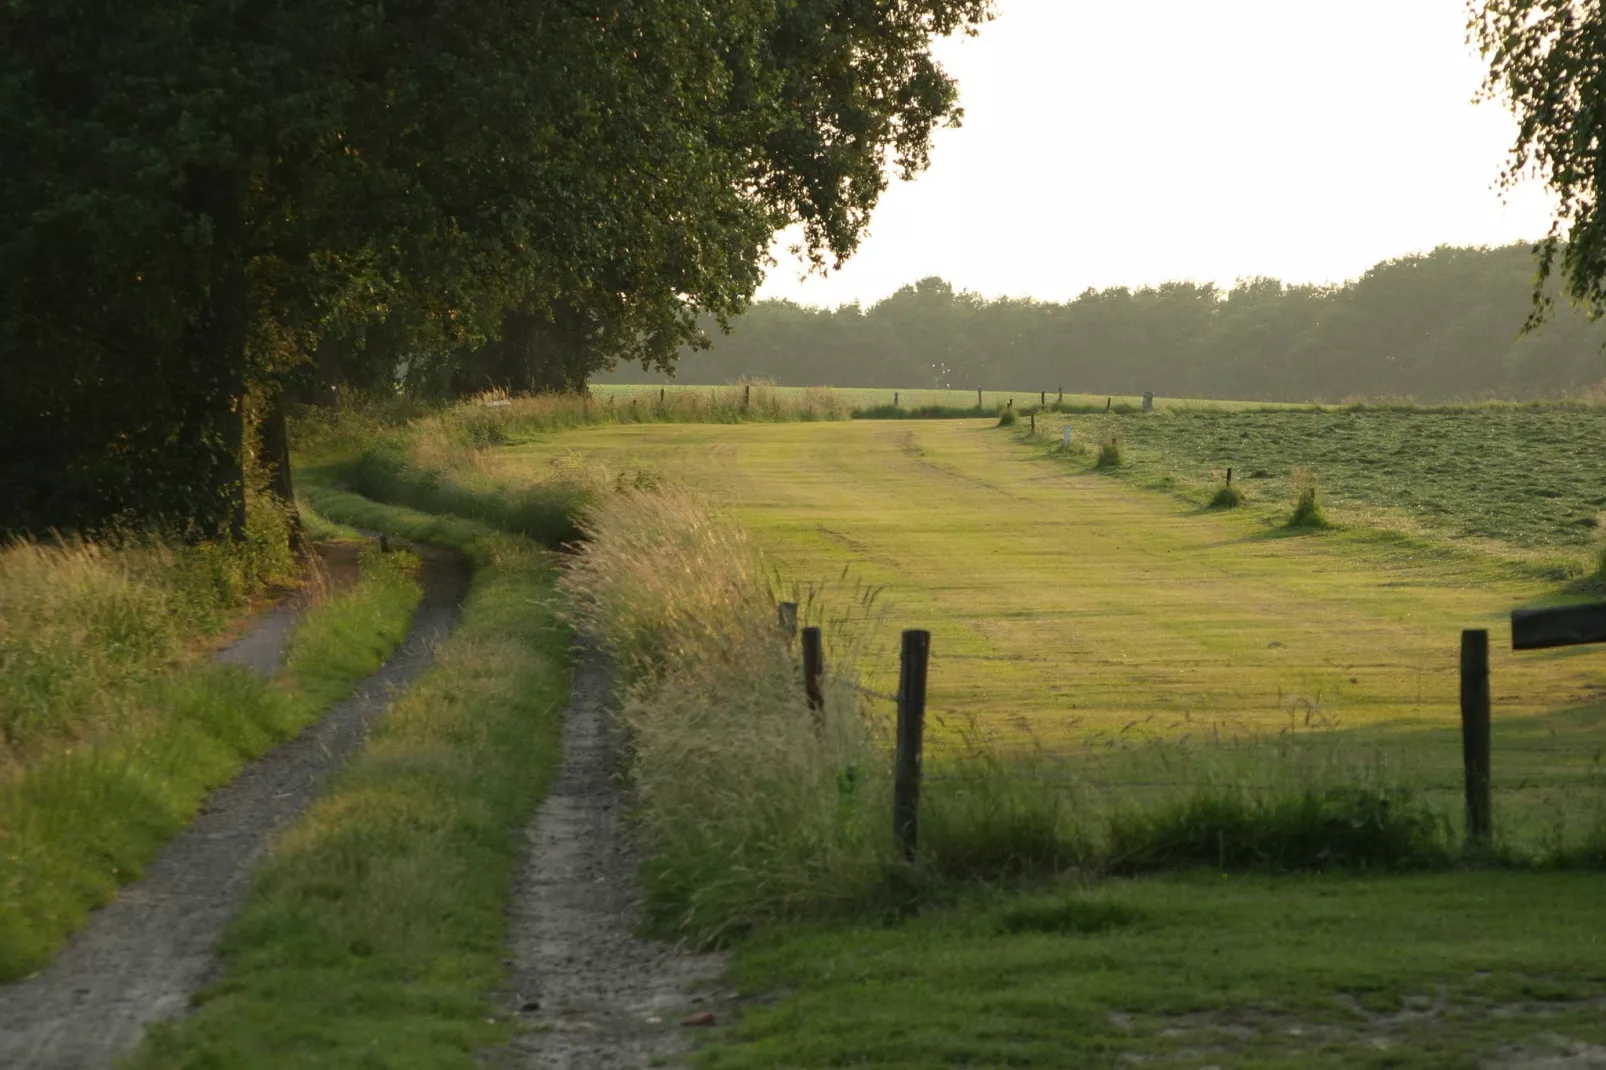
{"x":90,"y":796}
{"x":82,"y":623}
{"x":753,"y":807}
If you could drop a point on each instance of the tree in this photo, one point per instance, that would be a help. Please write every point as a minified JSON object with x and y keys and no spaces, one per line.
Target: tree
{"x":208,"y":194}
{"x":1547,"y":59}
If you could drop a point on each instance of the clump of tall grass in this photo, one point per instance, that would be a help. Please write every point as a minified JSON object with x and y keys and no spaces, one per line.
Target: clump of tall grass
{"x":1308,"y":511}
{"x":81,"y":623}
{"x":1007,"y":418}
{"x":752,"y":806}
{"x":436,"y":474}
{"x":1227,"y":496}
{"x":1109,"y":453}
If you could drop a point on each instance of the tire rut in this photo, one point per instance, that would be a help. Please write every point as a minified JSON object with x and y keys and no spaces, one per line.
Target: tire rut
{"x":138,"y":959}
{"x":590,"y":992}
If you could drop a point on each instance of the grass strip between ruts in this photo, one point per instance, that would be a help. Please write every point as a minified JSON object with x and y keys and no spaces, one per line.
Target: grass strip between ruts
{"x":376,"y":928}
{"x":75,"y":827}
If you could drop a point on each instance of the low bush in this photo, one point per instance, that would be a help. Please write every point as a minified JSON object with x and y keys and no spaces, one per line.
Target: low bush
{"x":1007,"y":418}
{"x":1109,"y":453}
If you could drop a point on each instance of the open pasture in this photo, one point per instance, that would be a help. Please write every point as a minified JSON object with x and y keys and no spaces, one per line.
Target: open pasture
{"x":1529,"y":476}
{"x":1118,"y":631}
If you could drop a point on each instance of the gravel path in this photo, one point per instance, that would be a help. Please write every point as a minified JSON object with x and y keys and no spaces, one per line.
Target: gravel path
{"x":261,"y":649}
{"x":138,"y":959}
{"x":591,"y":993}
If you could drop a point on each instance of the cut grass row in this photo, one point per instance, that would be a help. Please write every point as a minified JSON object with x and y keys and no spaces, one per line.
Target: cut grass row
{"x":375,"y":932}
{"x":84,"y":819}
{"x":1528,"y":478}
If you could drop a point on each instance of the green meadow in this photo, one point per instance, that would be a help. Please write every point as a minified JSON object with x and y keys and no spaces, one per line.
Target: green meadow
{"x":1127,"y":646}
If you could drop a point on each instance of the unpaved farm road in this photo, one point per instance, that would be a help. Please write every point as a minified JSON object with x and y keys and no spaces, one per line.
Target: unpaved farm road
{"x":592,"y":995}
{"x":137,"y":960}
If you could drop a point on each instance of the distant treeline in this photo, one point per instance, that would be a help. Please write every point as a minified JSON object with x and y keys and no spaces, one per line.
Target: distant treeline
{"x":1444,"y":326}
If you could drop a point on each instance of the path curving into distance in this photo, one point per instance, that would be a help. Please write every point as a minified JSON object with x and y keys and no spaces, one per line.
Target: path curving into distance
{"x":138,"y":959}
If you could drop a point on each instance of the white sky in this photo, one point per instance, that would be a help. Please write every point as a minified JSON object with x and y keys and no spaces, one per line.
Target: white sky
{"x":1124,"y":142}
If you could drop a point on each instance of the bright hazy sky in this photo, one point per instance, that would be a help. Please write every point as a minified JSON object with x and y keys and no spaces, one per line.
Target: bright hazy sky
{"x":1118,"y":142}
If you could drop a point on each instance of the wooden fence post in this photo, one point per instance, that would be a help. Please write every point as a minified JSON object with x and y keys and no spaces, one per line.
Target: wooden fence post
{"x":1475,"y":732}
{"x":813,"y":668}
{"x":1033,"y":418}
{"x":978,"y":397}
{"x":1062,"y":395}
{"x":660,"y":397}
{"x":911,"y":736}
{"x":787,"y":611}
{"x":747,"y":394}
{"x":1229,"y":476}
{"x":895,"y":399}
{"x":1042,"y":397}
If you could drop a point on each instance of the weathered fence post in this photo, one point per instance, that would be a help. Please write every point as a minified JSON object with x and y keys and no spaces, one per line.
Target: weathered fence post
{"x":747,"y":394}
{"x":1148,"y":401}
{"x":1062,"y":395}
{"x":660,"y":397}
{"x":911,"y":738}
{"x":1475,"y":731}
{"x":813,"y":668}
{"x":1042,"y":397}
{"x":1033,"y":418}
{"x":895,"y":399}
{"x":978,"y":397}
{"x":787,"y":612}
{"x":1229,"y":477}
{"x":1107,"y":403}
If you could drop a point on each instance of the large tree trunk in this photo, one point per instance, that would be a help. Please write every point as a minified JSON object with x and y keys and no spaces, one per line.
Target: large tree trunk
{"x":215,"y":347}
{"x":276,"y":454}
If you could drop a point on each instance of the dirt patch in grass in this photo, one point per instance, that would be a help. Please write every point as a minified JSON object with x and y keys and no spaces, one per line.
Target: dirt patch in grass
{"x":590,"y":993}
{"x":138,"y":959}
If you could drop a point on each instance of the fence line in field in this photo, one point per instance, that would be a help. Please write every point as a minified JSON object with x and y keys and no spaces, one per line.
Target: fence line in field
{"x":1531,"y":629}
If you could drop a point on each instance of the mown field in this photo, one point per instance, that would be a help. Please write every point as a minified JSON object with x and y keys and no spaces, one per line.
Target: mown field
{"x":1531,"y":477}
{"x":1070,"y":611}
{"x":1132,"y":644}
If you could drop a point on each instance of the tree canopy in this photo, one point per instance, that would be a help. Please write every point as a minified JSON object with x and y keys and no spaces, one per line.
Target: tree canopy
{"x":200,"y":198}
{"x":1547,"y":61}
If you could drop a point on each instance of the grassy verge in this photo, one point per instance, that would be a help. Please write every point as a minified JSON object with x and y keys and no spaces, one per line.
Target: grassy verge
{"x":1452,"y":970}
{"x":375,"y":932}
{"x":80,"y":820}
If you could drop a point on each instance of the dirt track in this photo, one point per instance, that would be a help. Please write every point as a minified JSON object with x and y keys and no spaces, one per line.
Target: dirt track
{"x":138,"y":959}
{"x":594,"y":995}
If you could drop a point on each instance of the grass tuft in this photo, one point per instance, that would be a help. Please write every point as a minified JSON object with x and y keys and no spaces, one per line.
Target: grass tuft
{"x":1227,"y":496}
{"x":1109,"y":453}
{"x":1308,"y":512}
{"x":1007,"y":418}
